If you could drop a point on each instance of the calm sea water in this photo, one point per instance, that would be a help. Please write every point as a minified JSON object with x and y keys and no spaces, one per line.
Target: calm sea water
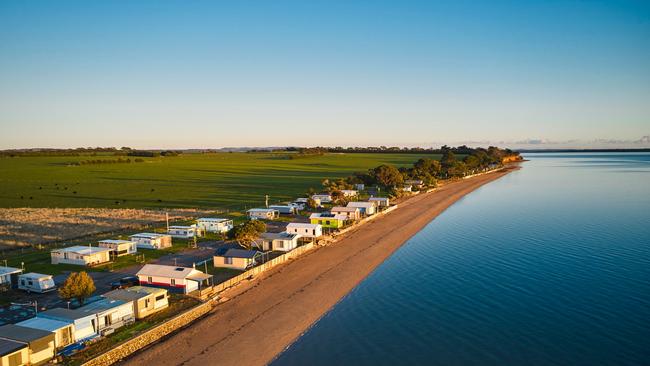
{"x":549,"y":265}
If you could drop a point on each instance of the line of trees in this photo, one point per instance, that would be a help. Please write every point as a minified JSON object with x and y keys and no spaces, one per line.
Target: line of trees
{"x":106,"y":161}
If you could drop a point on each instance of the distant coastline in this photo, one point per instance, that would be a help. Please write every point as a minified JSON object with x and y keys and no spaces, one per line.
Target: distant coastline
{"x":580,"y":150}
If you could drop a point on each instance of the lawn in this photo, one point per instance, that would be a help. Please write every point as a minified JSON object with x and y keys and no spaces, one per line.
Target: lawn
{"x":227,"y":181}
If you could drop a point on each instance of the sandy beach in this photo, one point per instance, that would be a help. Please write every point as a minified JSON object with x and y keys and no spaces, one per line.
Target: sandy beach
{"x":261,"y":318}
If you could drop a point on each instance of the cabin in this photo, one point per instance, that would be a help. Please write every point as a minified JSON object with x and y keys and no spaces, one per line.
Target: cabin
{"x":380,"y":201}
{"x":174,"y":279}
{"x":36,"y":282}
{"x":84,"y":324}
{"x":305,"y":230}
{"x":13,"y":353}
{"x":119,"y":247}
{"x":283,"y":242}
{"x":285,"y":209}
{"x":40,"y":343}
{"x":352,"y":213}
{"x":349,"y":193}
{"x":366,"y":208}
{"x":152,"y":240}
{"x":81,"y":255}
{"x":184,"y":232}
{"x":263,"y":214}
{"x":63,"y":331}
{"x":322,"y":197}
{"x":214,"y":225}
{"x":236,"y":258}
{"x":9,"y":276}
{"x":145,"y":300}
{"x":328,"y":220}
{"x":109,"y":314}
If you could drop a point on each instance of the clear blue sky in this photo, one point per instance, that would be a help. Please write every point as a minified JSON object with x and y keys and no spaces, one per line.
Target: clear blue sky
{"x":264,"y":73}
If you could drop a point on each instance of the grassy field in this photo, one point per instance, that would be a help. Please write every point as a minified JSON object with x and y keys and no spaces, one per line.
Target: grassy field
{"x":233,"y":181}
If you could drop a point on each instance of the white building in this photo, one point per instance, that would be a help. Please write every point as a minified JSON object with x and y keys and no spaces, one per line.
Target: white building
{"x":184,"y":232}
{"x":285,"y":209}
{"x":9,"y":276}
{"x":304,"y":229}
{"x":152,"y":240}
{"x":380,"y":201}
{"x":63,"y":331}
{"x":36,"y":282}
{"x":367,"y":208}
{"x":283,"y":242}
{"x":236,"y":259}
{"x":84,"y":324}
{"x":81,"y":255}
{"x":214,"y":225}
{"x":119,"y":247}
{"x":175,"y":279}
{"x":109,"y":314}
{"x":360,"y":186}
{"x":349,"y":192}
{"x":263,"y":213}
{"x":322,"y":198}
{"x":352,"y":213}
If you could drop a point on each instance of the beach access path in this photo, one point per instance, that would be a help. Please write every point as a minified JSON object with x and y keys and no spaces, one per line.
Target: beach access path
{"x":265,"y":315}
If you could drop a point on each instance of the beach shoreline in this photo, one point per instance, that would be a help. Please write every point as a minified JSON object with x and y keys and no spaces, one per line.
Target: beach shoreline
{"x":261,"y":318}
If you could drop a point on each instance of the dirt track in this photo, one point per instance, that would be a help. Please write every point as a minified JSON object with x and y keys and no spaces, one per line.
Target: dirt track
{"x":266,"y":315}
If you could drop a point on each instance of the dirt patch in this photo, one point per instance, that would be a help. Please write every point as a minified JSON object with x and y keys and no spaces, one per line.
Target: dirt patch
{"x":20,"y":227}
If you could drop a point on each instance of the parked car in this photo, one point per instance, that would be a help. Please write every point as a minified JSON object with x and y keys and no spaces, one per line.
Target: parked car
{"x":125,"y":282}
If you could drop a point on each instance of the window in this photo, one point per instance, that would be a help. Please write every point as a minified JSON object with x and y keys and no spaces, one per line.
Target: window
{"x":149,"y":279}
{"x":173,"y":282}
{"x":327,"y":222}
{"x":147,"y":302}
{"x":227,"y":260}
{"x":160,"y":297}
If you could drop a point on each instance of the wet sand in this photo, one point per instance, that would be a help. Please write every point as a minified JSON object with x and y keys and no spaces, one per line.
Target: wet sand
{"x":264,"y":316}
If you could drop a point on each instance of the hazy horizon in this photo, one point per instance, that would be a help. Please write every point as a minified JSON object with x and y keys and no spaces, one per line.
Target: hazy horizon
{"x":198,"y":74}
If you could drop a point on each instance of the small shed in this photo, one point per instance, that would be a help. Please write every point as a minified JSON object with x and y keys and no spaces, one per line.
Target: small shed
{"x":119,"y":247}
{"x":63,"y":331}
{"x":236,"y":259}
{"x":81,"y":255}
{"x":152,"y":240}
{"x":304,"y":229}
{"x":40,"y":342}
{"x":215,"y":225}
{"x":263,"y":213}
{"x":145,"y":300}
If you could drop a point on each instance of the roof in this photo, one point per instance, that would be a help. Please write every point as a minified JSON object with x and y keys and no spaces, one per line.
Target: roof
{"x":199,"y":276}
{"x":61,"y":313}
{"x":115,"y":241}
{"x":378,"y":199}
{"x":134,"y":293}
{"x":212,"y":219}
{"x":159,"y":270}
{"x":8,"y":346}
{"x":321,"y":195}
{"x":35,"y":276}
{"x":360,"y":204}
{"x":349,"y":191}
{"x":261,"y":210}
{"x":23,"y":334}
{"x":82,"y":250}
{"x":303,"y":225}
{"x":148,"y":235}
{"x":273,"y":236}
{"x":345,"y":209}
{"x":49,"y":325}
{"x":9,"y":270}
{"x":240,"y":253}
{"x":184,"y":227}
{"x":327,"y":216}
{"x":101,"y":306}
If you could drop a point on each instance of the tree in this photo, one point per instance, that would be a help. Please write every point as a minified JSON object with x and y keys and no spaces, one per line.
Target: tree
{"x":78,"y":286}
{"x":246,"y":233}
{"x":311,"y":203}
{"x":388,"y":176}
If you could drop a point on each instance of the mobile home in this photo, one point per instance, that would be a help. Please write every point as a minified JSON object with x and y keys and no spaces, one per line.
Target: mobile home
{"x":285,"y":209}
{"x":63,"y":331}
{"x":119,"y":247}
{"x":366,"y":208}
{"x":176,"y":279}
{"x":236,"y":259}
{"x":39,"y":342}
{"x":304,"y":229}
{"x":184,"y":232}
{"x":215,"y":225}
{"x":9,"y":276}
{"x":152,"y":240}
{"x":36,"y":282}
{"x":109,"y":314}
{"x":328,"y":220}
{"x":81,"y":255}
{"x":283,"y":242}
{"x":322,"y":197}
{"x":352,"y":213}
{"x":13,"y":353}
{"x":145,"y":300}
{"x":263,"y":213}
{"x":84,"y":324}
{"x":380,"y":201}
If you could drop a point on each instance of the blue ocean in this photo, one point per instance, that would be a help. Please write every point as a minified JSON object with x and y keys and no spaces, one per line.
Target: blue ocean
{"x":549,"y":265}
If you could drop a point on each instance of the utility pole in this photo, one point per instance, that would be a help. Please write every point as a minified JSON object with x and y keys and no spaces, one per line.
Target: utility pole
{"x":266,"y":200}
{"x":167,"y":220}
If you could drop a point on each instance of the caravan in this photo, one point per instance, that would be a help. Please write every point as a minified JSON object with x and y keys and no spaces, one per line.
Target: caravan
{"x":36,"y":282}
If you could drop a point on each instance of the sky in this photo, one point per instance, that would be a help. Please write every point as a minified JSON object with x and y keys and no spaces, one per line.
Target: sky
{"x":209,"y":74}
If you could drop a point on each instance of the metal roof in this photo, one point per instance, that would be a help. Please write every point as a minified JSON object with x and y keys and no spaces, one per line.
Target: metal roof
{"x":8,"y":346}
{"x":303,"y":225}
{"x":159,"y":270}
{"x":148,"y":235}
{"x":116,"y":241}
{"x":23,"y":334}
{"x":61,"y":313}
{"x":101,"y":306}
{"x":49,"y":325}
{"x":240,"y":253}
{"x":212,"y":219}
{"x":82,"y":250}
{"x":9,"y":270}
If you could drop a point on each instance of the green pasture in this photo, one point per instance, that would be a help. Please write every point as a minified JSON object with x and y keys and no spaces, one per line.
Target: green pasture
{"x":233,"y":181}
